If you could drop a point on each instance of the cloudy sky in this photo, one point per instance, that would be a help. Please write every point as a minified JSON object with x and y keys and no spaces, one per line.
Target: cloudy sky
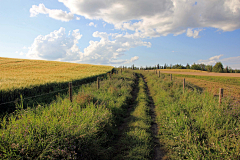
{"x":122,"y":32}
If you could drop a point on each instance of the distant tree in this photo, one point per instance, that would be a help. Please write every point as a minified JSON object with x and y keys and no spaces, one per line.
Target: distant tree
{"x":196,"y":67}
{"x":226,"y":70}
{"x":188,"y":66}
{"x":202,"y":66}
{"x":209,"y":68}
{"x":165,"y":66}
{"x":158,"y":66}
{"x":218,"y":67}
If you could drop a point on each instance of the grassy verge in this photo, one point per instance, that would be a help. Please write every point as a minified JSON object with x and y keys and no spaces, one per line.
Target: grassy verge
{"x":193,"y":125}
{"x":81,"y":129}
{"x":136,"y":142}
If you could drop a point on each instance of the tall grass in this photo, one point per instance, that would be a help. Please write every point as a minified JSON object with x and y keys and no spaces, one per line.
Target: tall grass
{"x":192,"y":125}
{"x":64,"y":130}
{"x":136,"y":141}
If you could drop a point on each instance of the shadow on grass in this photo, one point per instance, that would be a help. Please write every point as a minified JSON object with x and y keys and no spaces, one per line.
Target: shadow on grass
{"x":118,"y":146}
{"x":158,"y":150}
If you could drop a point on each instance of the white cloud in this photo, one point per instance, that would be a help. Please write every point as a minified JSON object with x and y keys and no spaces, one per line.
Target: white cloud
{"x":92,"y":24}
{"x":24,"y":47}
{"x":232,"y":62}
{"x":63,"y":47}
{"x":16,"y":52}
{"x":108,"y":51}
{"x":191,"y":33}
{"x":53,"y":13}
{"x":159,"y":18}
{"x":212,"y":60}
{"x":78,"y":18}
{"x":56,"y":46}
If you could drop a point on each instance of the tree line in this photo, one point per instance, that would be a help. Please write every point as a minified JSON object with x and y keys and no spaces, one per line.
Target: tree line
{"x":218,"y":67}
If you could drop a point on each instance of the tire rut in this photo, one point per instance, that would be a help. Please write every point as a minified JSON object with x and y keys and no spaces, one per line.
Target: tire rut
{"x":158,"y":153}
{"x":122,"y":128}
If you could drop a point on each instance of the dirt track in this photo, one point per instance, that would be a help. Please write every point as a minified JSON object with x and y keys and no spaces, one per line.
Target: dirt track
{"x":204,"y":74}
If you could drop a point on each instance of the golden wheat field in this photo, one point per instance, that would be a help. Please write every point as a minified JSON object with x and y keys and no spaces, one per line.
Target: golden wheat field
{"x":21,"y":73}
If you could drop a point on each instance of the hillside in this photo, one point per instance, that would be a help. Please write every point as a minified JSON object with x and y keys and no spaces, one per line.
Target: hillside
{"x":21,"y":73}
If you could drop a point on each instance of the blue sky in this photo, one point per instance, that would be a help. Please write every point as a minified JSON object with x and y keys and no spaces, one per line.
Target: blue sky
{"x":122,"y":32}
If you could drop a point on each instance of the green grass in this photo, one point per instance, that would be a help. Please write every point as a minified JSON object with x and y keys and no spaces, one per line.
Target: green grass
{"x":65,"y":130}
{"x":193,"y":125}
{"x":136,"y":142}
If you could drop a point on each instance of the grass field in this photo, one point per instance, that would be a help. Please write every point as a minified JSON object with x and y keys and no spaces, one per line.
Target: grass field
{"x":21,"y":73}
{"x":192,"y":125}
{"x":231,"y":85}
{"x":80,"y":129}
{"x":116,"y":121}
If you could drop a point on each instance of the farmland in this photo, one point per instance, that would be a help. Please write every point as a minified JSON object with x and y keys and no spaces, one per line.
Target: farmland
{"x":31,"y":78}
{"x":133,"y":115}
{"x":210,"y":81}
{"x":20,"y":73}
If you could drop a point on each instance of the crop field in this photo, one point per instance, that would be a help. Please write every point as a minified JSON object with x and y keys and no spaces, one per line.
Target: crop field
{"x":133,"y":115}
{"x":31,"y":78}
{"x":20,"y":73}
{"x":231,"y":85}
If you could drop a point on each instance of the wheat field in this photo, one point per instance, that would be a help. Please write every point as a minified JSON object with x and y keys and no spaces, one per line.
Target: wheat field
{"x":22,"y":73}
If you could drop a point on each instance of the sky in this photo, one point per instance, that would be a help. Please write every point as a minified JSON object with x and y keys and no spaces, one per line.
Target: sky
{"x":122,"y":32}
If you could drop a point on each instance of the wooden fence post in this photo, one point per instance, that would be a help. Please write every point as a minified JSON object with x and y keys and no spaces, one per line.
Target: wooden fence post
{"x":183,"y":84}
{"x":220,"y":95}
{"x":70,"y":91}
{"x":98,"y":84}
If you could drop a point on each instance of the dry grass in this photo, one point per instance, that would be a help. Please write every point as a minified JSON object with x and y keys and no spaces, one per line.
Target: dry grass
{"x":21,"y":73}
{"x":213,"y":87}
{"x":183,"y":70}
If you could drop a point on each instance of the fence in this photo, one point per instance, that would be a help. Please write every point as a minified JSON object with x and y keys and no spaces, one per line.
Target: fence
{"x":9,"y":99}
{"x":220,"y":95}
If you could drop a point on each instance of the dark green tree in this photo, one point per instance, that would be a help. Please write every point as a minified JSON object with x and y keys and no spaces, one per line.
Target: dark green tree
{"x":218,"y":67}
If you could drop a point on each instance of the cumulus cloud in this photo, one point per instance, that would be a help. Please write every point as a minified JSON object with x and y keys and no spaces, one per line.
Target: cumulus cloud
{"x":53,"y":13}
{"x":56,"y":46}
{"x":232,"y":62}
{"x":108,"y":51}
{"x":63,"y":47}
{"x":159,"y":18}
{"x":92,"y":24}
{"x":78,"y":18}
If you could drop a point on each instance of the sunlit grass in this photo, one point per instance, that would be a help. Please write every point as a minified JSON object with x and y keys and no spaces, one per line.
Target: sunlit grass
{"x":193,"y":125}
{"x":68,"y":130}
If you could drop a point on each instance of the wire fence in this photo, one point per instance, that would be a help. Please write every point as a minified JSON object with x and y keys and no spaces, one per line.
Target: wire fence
{"x":101,"y":77}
